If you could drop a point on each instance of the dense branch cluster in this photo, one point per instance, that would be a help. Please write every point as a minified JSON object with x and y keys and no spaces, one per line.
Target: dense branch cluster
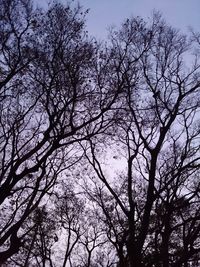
{"x":99,"y":143}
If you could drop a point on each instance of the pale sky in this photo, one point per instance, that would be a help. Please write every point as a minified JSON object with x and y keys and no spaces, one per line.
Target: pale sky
{"x":104,"y":13}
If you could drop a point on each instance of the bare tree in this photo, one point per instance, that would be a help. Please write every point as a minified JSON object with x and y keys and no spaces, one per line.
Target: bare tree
{"x":66,"y":103}
{"x":50,"y":101}
{"x":157,"y":130}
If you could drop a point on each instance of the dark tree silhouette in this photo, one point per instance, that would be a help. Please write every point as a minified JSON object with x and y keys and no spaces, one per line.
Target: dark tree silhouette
{"x":50,"y":101}
{"x":71,"y":111}
{"x":151,"y":210}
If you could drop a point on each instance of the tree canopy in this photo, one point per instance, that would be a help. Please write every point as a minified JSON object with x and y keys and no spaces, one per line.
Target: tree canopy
{"x":99,"y":142}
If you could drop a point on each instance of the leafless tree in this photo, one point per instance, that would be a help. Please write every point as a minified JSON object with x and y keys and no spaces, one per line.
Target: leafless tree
{"x":69,"y":107}
{"x":157,"y":130}
{"x":51,"y":98}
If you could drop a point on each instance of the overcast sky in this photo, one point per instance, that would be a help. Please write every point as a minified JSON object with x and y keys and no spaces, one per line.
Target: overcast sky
{"x":104,"y":13}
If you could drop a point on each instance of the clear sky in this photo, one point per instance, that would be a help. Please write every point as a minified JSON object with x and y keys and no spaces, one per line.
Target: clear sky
{"x":104,"y":13}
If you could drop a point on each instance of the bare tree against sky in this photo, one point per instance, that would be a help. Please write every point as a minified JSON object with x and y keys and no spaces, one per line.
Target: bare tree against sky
{"x":66,"y":103}
{"x":159,"y":193}
{"x":49,"y":102}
